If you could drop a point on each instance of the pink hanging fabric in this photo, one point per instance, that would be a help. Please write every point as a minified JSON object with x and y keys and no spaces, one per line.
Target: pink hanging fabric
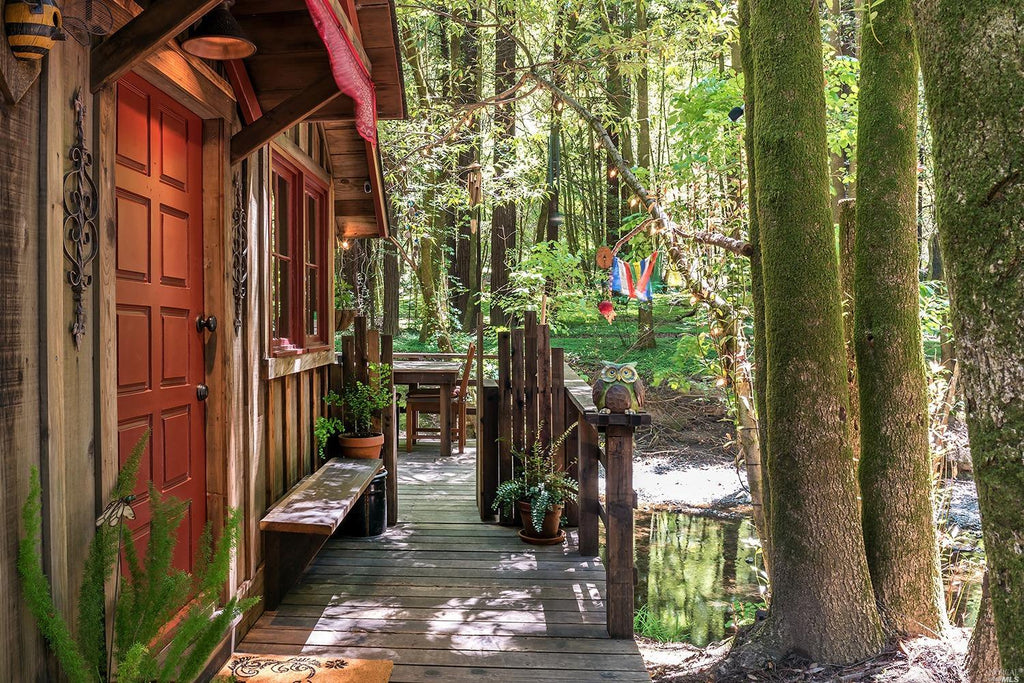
{"x":347,"y":68}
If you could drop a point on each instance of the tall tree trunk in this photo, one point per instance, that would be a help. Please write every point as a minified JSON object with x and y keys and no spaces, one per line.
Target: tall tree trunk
{"x":617,"y":104}
{"x":465,"y":72}
{"x":503,"y":215}
{"x":643,"y":93}
{"x":978,"y":140}
{"x":645,"y":338}
{"x":392,"y":288}
{"x":822,"y":602}
{"x":760,"y":370}
{"x":895,"y":471}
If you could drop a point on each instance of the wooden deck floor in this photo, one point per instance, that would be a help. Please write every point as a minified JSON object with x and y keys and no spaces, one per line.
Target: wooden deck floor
{"x":449,"y":598}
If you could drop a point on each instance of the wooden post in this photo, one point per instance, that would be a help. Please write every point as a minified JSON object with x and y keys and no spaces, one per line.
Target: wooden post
{"x":619,"y":499}
{"x":560,"y":421}
{"x":518,"y":390}
{"x":544,"y":397}
{"x":361,"y":358}
{"x":587,"y":459}
{"x":373,"y":356}
{"x":348,"y":365}
{"x":532,"y":383}
{"x":387,"y":355}
{"x":487,"y":465}
{"x":506,"y":404}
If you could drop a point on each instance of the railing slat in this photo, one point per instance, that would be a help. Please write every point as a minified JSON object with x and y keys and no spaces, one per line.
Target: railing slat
{"x":589,"y":448}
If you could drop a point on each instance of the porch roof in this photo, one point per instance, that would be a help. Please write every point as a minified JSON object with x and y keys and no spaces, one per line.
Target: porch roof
{"x":292,"y":67}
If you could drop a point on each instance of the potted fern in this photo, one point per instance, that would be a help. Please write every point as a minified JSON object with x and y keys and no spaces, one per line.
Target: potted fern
{"x":539,"y":492}
{"x":353,"y":435}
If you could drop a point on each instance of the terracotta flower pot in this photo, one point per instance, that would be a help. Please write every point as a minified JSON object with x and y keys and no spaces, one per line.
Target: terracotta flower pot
{"x":362,"y":447}
{"x":550,"y":529}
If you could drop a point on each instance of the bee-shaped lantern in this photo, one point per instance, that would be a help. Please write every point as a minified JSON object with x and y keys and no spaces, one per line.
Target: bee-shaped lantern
{"x":32,"y":27}
{"x":619,"y":389}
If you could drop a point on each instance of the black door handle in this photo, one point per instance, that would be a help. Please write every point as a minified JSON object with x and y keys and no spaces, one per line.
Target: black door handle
{"x":206,"y":323}
{"x":202,"y":392}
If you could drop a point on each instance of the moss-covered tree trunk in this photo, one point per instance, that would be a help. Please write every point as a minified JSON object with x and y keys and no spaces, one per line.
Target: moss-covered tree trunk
{"x":972,"y":58}
{"x":759,"y":373}
{"x":895,"y":473}
{"x":822,"y":601}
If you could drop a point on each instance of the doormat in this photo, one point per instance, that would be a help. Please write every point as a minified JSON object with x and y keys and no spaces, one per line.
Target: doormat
{"x":298,"y":669}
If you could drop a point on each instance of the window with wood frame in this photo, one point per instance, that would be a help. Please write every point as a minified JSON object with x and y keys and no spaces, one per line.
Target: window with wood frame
{"x":298,"y":249}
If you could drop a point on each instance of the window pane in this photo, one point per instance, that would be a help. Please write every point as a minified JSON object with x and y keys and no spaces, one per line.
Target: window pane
{"x":312,"y":229}
{"x":281,"y":230}
{"x":281,"y":292}
{"x":313,"y":302}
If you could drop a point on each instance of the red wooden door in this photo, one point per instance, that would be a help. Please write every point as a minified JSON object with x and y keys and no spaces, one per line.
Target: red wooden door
{"x":159,"y":262}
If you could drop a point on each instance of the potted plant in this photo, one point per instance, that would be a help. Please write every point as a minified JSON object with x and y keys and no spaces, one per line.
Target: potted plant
{"x":353,"y":434}
{"x":539,"y":492}
{"x":344,"y":305}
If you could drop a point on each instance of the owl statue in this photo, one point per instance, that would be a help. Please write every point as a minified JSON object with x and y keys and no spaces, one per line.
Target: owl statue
{"x":619,"y":389}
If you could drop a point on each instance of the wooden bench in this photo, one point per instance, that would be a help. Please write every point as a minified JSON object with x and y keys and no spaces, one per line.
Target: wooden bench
{"x":299,"y":524}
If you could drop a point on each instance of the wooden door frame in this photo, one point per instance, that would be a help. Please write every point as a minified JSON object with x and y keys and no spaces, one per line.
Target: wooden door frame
{"x":218,"y":357}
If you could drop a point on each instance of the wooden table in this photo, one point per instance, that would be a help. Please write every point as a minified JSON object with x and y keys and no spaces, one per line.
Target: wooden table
{"x":443,"y":374}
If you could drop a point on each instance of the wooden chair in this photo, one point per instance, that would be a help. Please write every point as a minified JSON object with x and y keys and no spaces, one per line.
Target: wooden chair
{"x":427,"y":401}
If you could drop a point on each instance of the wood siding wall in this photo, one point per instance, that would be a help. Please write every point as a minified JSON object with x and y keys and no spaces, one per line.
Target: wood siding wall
{"x":47,"y":385}
{"x":276,"y":431}
{"x":58,"y":402}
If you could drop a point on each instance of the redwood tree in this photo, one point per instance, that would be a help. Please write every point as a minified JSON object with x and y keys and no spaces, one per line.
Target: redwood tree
{"x":895,"y":471}
{"x":503,"y":215}
{"x":972,"y":58}
{"x":822,"y":602}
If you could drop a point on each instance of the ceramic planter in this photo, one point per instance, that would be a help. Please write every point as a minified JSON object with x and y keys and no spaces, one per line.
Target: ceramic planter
{"x":362,"y":447}
{"x":550,"y":531}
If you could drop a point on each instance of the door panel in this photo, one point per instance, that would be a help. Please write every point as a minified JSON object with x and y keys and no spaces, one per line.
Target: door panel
{"x":159,"y":296}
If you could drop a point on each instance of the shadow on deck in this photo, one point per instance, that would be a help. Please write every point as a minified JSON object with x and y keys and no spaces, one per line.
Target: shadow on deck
{"x":447,"y":597}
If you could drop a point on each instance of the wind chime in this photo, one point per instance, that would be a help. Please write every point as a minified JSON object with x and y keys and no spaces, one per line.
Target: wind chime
{"x":632,"y":280}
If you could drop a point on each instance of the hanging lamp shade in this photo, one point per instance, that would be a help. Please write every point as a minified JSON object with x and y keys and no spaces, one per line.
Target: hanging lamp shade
{"x":218,"y":36}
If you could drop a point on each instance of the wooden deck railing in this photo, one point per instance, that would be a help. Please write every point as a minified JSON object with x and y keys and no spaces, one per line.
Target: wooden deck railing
{"x":538,"y":396}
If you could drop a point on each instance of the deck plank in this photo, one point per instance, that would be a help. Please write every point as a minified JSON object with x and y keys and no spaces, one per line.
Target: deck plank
{"x":449,"y":598}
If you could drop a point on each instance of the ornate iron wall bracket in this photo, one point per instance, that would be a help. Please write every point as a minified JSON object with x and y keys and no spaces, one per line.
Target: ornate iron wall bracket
{"x":80,"y":210}
{"x":240,"y":248}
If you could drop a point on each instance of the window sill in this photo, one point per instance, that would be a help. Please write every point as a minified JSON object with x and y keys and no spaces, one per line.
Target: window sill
{"x":297,"y":362}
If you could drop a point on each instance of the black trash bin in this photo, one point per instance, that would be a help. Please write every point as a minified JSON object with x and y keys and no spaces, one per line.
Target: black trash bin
{"x":369,"y":516}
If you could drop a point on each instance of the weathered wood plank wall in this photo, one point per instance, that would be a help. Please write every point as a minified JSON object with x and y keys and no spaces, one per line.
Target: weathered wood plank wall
{"x":19,"y":367}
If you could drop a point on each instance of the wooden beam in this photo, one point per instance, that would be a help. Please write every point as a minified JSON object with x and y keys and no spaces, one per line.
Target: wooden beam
{"x":282,"y":117}
{"x":142,"y":36}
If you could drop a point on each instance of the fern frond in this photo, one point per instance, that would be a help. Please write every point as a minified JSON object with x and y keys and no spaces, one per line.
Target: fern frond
{"x":36,"y":588}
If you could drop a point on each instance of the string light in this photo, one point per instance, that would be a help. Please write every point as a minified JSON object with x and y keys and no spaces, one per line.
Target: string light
{"x":345,"y":245}
{"x":613,"y":173}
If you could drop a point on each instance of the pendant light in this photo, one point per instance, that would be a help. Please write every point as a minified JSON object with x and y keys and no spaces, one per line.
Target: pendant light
{"x":218,"y":36}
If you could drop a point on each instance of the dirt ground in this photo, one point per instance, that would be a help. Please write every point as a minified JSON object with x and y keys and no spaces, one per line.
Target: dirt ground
{"x":687,"y":462}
